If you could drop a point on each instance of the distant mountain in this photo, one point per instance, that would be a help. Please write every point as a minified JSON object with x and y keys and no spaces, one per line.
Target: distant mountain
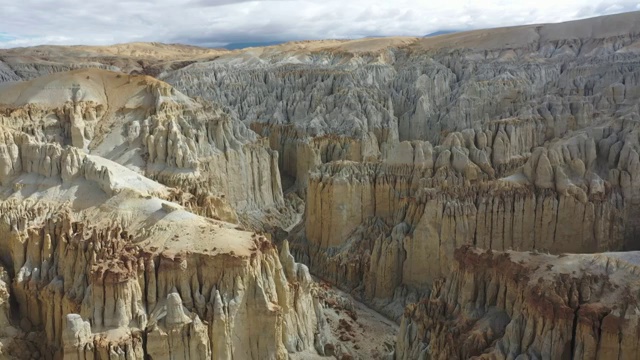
{"x":441,"y":32}
{"x":235,"y":46}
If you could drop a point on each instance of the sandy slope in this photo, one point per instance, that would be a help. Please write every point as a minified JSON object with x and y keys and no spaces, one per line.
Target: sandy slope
{"x":115,"y":90}
{"x":156,"y":58}
{"x":140,"y":50}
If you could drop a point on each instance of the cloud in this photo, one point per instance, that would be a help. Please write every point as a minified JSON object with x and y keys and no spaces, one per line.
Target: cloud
{"x":217,"y":22}
{"x":210,"y":3}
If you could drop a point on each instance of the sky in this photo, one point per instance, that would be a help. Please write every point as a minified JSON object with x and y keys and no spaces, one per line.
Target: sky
{"x":216,"y":23}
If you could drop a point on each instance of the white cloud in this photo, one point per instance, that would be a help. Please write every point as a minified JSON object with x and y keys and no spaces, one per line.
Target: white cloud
{"x":216,"y":22}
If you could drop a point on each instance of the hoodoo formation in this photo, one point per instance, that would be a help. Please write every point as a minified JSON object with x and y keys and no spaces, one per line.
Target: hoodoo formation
{"x":469,"y":195}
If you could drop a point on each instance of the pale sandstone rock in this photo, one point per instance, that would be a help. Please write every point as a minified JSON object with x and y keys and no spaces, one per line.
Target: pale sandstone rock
{"x":526,"y":305}
{"x":561,"y":199}
{"x":96,"y":268}
{"x":405,"y":149}
{"x":555,"y":204}
{"x":155,"y":131}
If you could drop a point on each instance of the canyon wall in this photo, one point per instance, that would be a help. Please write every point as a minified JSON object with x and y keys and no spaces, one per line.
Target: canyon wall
{"x":102,"y":266}
{"x":149,"y":127}
{"x":400,"y":152}
{"x":557,"y":78}
{"x":391,"y":238}
{"x":377,"y":228}
{"x":527,"y":305}
{"x":104,"y":262}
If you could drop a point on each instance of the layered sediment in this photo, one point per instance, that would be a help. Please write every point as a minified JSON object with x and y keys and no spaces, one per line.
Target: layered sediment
{"x":149,"y":127}
{"x":527,"y":305}
{"x":400,"y":234}
{"x":102,"y":265}
{"x":396,"y":155}
{"x":105,"y":262}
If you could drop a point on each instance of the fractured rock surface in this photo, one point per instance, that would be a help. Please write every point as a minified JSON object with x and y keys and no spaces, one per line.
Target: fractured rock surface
{"x":98,"y":272}
{"x":381,"y":164}
{"x":527,"y":305}
{"x":107,"y":263}
{"x":154,"y":130}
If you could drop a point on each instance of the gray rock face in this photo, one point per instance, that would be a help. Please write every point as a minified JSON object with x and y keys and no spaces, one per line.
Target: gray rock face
{"x":559,"y":73}
{"x":504,"y":139}
{"x":524,"y":85}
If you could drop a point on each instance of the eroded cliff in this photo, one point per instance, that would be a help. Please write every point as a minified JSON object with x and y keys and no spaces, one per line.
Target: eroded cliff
{"x":526,"y":146}
{"x":149,"y":127}
{"x":527,"y":305}
{"x":102,"y":265}
{"x":104,"y":262}
{"x":393,"y":153}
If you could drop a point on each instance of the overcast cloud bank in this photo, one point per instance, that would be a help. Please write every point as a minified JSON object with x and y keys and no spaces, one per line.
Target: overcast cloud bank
{"x":215,"y":23}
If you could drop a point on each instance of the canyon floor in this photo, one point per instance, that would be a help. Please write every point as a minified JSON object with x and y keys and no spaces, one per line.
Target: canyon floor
{"x":468,"y":195}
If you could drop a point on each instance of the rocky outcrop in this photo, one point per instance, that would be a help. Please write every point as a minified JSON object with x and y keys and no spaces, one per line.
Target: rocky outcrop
{"x":403,"y":149}
{"x":384,"y":226}
{"x":301,"y":154}
{"x":377,"y":228}
{"x":527,"y":305}
{"x":381,"y":226}
{"x":104,"y":267}
{"x":132,"y":58}
{"x":424,"y":88}
{"x":12,"y":343}
{"x":209,"y":319}
{"x":147,"y":126}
